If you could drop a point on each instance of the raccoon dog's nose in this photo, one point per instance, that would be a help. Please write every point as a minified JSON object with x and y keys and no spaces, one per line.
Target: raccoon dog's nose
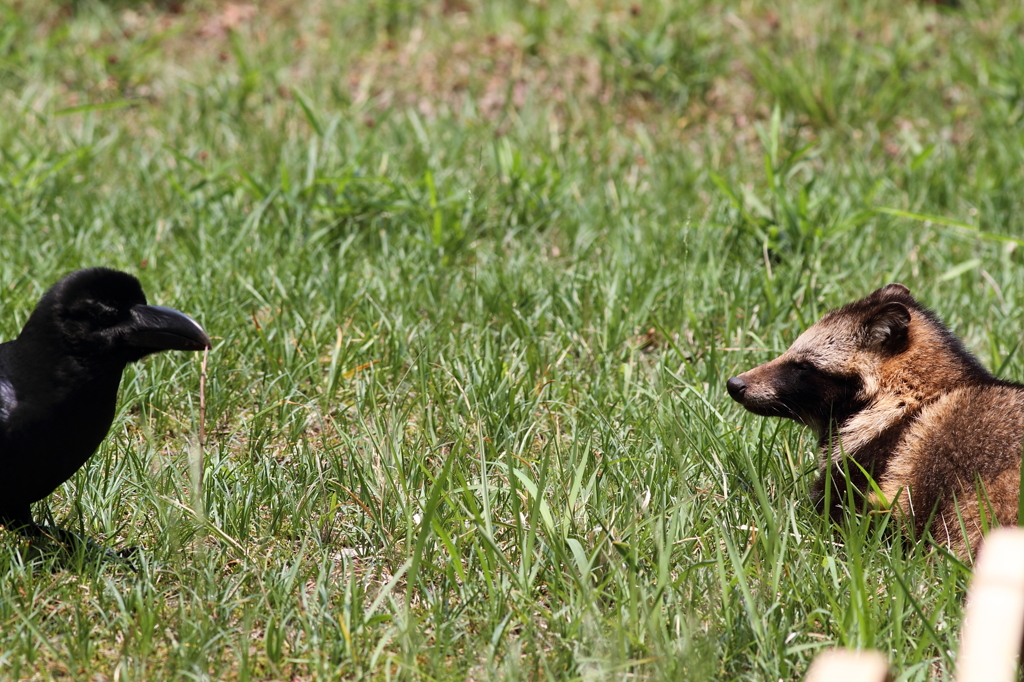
{"x":737,"y":387}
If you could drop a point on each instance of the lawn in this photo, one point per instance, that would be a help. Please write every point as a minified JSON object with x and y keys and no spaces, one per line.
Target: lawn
{"x":476,"y":273}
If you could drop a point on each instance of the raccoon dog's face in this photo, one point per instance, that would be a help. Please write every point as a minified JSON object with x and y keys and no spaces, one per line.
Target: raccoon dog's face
{"x":832,"y":370}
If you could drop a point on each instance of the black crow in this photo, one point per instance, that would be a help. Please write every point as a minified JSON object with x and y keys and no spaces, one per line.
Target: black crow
{"x":59,"y":381}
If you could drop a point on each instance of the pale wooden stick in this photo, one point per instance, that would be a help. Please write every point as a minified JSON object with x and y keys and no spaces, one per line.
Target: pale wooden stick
{"x":202,"y":399}
{"x":845,"y":665}
{"x":994,"y":618}
{"x":197,"y":453}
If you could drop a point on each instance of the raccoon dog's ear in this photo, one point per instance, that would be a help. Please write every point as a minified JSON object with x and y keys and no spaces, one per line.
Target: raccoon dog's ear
{"x":887,"y":326}
{"x":892,"y":290}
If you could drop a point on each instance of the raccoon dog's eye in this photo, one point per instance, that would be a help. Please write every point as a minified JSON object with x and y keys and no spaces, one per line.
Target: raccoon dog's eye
{"x":803,"y":366}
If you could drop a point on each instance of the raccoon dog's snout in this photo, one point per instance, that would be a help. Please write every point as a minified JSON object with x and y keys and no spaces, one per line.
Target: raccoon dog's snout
{"x":736,"y":387}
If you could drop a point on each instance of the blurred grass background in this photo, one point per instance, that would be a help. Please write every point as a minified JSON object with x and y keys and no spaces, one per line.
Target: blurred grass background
{"x":477,"y":273}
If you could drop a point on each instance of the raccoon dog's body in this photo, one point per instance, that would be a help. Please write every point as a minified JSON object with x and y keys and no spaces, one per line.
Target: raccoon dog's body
{"x":883,"y":382}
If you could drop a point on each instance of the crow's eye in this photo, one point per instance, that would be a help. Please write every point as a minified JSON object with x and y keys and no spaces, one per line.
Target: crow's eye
{"x":94,"y":311}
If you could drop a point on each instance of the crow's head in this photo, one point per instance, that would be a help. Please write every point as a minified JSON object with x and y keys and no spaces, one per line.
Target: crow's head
{"x":102,"y":314}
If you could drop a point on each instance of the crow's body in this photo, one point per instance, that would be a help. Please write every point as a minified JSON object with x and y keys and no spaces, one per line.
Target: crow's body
{"x":59,"y":380}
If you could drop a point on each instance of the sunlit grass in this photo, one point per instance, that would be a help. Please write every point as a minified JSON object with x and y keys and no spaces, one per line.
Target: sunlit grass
{"x":475,"y":279}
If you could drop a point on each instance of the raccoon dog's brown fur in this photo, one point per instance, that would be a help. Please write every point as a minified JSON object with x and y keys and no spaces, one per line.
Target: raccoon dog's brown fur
{"x":883,"y":382}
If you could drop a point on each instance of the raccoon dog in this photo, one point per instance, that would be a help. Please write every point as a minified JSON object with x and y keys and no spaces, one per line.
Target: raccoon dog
{"x":884,"y":383}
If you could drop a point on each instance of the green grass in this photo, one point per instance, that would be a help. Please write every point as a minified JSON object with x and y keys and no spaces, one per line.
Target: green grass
{"x":476,"y":280}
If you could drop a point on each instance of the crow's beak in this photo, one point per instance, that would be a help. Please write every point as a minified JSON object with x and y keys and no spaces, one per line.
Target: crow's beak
{"x":157,"y":328}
